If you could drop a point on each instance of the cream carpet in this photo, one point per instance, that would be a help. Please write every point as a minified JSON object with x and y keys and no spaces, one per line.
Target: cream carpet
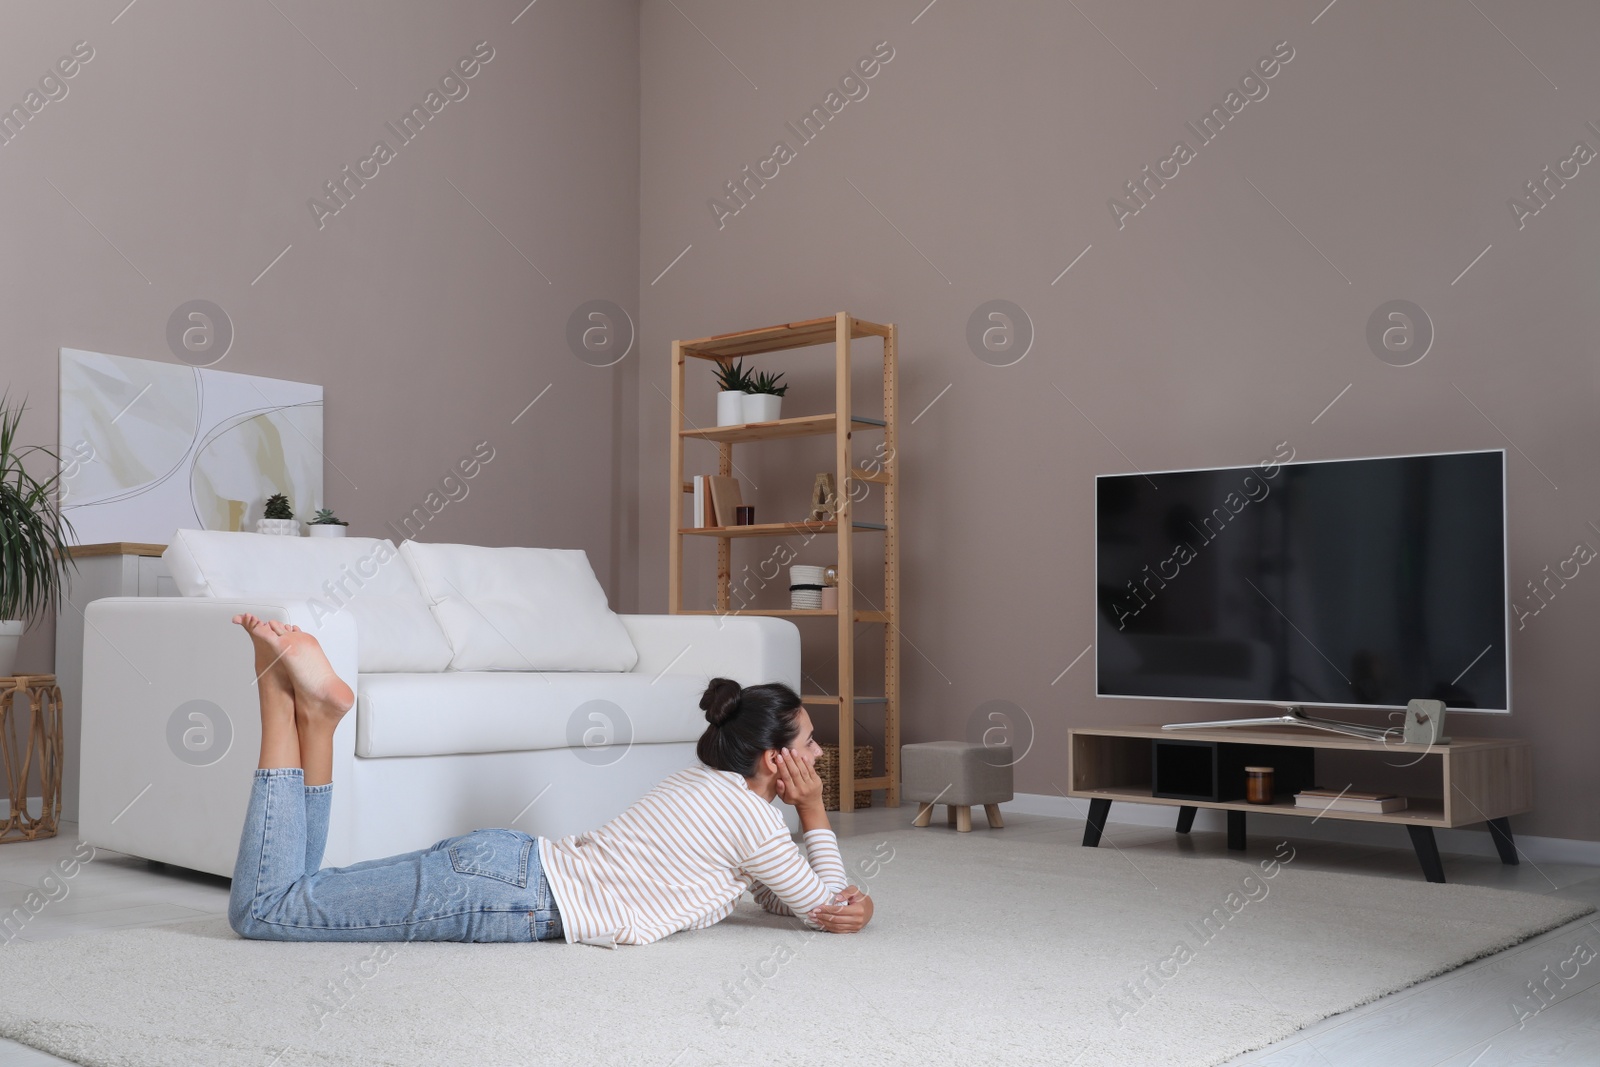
{"x":984,"y":950}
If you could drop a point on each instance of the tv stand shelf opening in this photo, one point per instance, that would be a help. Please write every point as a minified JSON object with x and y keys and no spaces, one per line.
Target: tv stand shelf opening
{"x":1464,"y":783}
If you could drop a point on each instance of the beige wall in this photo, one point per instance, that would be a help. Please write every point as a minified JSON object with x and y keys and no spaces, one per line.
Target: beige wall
{"x":1220,"y":320}
{"x":192,"y":141}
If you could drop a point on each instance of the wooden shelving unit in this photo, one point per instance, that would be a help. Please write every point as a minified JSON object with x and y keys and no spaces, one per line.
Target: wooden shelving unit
{"x":839,"y":330}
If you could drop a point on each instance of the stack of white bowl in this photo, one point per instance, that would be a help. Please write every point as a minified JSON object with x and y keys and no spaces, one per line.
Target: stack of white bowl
{"x":802,"y":575}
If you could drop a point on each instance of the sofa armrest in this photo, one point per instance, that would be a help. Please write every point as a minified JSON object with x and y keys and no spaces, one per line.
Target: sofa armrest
{"x":172,"y":723}
{"x":750,"y":649}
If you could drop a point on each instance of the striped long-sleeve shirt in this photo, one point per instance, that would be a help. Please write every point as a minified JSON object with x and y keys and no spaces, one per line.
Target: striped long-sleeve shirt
{"x":681,"y":857}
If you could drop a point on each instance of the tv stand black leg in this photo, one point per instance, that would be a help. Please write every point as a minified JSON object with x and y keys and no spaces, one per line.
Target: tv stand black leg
{"x":1236,"y":830}
{"x":1427,"y":852}
{"x":1098,"y":811}
{"x":1186,"y":819}
{"x":1500,"y":830}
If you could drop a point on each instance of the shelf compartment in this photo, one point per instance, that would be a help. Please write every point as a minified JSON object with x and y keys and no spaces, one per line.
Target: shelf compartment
{"x":799,"y":426}
{"x":802,"y":334}
{"x":793,"y":613}
{"x":775,"y":529}
{"x":1424,"y":811}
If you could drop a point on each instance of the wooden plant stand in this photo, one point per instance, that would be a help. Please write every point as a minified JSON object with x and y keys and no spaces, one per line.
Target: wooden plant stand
{"x":1467,"y":781}
{"x":881,"y":474}
{"x":29,"y":750}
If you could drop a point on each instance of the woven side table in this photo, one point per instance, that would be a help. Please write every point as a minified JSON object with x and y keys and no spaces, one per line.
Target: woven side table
{"x":30,"y":748}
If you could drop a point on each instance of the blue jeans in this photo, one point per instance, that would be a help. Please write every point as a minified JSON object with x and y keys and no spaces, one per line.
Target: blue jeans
{"x":484,"y":886}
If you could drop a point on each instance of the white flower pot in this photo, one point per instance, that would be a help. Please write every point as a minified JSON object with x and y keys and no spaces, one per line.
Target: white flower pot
{"x":278,"y":527}
{"x":10,"y":638}
{"x":730,"y":407}
{"x":762,"y":407}
{"x":325,"y":529}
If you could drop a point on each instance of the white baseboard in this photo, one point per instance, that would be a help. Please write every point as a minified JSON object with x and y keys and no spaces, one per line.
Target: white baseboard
{"x":1470,"y":842}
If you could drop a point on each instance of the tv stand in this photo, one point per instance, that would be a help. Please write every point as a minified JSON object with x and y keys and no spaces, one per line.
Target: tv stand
{"x":1475,"y":780}
{"x":1295,"y":715}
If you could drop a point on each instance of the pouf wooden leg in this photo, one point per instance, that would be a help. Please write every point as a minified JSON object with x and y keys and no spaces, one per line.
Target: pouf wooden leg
{"x":924,"y":814}
{"x":992,"y":813}
{"x":963,"y":819}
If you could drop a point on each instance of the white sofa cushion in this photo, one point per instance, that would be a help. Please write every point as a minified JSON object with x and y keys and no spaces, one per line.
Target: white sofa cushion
{"x":445,"y":714}
{"x":361,"y":576}
{"x":520,"y":609}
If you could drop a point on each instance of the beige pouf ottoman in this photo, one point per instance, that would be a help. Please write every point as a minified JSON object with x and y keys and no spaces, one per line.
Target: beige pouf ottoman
{"x":959,"y":775}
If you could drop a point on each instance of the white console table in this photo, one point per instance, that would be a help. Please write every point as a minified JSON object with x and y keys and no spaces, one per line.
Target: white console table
{"x":117,"y":569}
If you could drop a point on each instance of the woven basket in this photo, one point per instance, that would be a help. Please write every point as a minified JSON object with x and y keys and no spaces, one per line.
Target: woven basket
{"x":828,"y":771}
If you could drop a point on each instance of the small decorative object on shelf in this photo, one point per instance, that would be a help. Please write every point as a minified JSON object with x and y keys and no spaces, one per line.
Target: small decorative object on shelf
{"x":30,"y":752}
{"x":1258,"y":785}
{"x":1424,"y":722}
{"x":822,"y":498}
{"x":763,"y":400}
{"x":830,"y":588}
{"x":744,"y":515}
{"x":33,"y":548}
{"x":805,"y":587}
{"x":828,"y":770}
{"x":325,"y":524}
{"x":734,"y":381}
{"x":278,"y":518}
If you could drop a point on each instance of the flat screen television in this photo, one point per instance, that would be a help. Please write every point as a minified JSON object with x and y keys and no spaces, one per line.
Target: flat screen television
{"x":1343,"y":583}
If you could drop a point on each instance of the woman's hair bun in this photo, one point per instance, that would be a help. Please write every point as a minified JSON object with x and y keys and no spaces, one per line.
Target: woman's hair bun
{"x":720,"y":701}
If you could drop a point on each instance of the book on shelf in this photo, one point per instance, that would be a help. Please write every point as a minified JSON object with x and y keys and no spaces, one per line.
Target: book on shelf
{"x":1349,"y":800}
{"x":725,"y":497}
{"x":698,"y":508}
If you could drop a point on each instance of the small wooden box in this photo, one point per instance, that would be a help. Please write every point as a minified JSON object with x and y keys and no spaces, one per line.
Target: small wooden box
{"x":828,"y":771}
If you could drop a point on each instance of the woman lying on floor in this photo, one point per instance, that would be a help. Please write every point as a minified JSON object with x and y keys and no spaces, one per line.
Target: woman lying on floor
{"x":678,"y":859}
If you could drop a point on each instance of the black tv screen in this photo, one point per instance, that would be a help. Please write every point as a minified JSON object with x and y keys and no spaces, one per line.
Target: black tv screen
{"x":1361,"y":582}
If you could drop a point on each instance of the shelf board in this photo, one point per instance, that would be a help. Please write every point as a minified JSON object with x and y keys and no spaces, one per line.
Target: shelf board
{"x":1294,"y":737}
{"x":1424,"y":811}
{"x":800,"y":426}
{"x":824,"y":698}
{"x":775,"y":529}
{"x":793,"y":613}
{"x":803,"y":334}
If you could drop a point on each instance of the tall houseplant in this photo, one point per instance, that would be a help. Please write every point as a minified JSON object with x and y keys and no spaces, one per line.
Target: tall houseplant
{"x":34,"y":535}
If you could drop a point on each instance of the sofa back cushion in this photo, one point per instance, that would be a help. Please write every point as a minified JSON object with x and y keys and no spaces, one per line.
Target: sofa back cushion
{"x":520,"y":609}
{"x":395,"y":630}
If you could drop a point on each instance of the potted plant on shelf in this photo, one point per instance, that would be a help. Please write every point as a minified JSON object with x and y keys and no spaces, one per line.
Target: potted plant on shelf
{"x":734,"y":381}
{"x":278,"y":518}
{"x":764,"y":397}
{"x":325,"y":524}
{"x":34,"y":536}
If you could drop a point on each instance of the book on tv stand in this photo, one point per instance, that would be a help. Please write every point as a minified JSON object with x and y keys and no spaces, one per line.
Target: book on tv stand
{"x":1293,"y":715}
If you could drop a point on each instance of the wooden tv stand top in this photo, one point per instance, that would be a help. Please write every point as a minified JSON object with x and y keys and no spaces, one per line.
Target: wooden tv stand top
{"x":1295,"y":736}
{"x":1470,"y":780}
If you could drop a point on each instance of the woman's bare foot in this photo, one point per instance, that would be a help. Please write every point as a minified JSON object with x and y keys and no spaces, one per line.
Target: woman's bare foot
{"x":320,"y":695}
{"x":270,"y":669}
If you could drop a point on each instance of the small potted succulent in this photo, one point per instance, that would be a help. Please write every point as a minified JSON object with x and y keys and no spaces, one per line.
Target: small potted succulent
{"x":326,"y":524}
{"x":34,"y":537}
{"x":278,"y":518}
{"x":763,"y":398}
{"x":734,"y":381}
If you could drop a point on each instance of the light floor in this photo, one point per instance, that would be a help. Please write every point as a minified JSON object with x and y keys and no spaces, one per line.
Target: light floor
{"x":1467,"y":1018}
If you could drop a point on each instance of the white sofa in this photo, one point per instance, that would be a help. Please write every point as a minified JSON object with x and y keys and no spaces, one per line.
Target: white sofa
{"x":494,"y":688}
